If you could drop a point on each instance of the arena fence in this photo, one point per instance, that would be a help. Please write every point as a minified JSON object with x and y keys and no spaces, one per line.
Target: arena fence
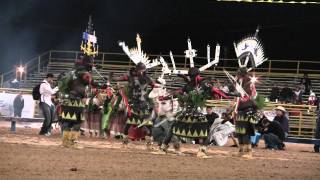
{"x":289,"y":68}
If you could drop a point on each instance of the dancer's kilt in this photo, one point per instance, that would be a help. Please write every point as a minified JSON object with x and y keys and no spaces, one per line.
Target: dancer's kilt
{"x":191,"y":125}
{"x":245,"y":124}
{"x":138,"y":118}
{"x":72,"y":110}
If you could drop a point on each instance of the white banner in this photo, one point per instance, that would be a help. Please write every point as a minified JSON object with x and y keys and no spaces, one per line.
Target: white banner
{"x":6,"y":104}
{"x":219,"y":111}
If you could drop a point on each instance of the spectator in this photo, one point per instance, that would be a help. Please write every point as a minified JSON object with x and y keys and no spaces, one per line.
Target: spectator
{"x":273,"y":134}
{"x":227,"y":117}
{"x":297,"y":99}
{"x":306,"y":82}
{"x":282,"y":119}
{"x":18,"y":104}
{"x":46,"y":105}
{"x":286,"y":94}
{"x":313,"y":100}
{"x":211,"y":116}
{"x":259,"y":130}
{"x":275,"y":92}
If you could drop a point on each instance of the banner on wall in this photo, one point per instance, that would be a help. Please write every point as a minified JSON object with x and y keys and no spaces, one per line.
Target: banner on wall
{"x":219,"y":110}
{"x":6,"y":104}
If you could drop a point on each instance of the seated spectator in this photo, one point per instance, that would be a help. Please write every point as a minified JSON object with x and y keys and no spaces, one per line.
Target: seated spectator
{"x":273,"y":135}
{"x":259,"y":130}
{"x":297,"y":99}
{"x":275,"y":92}
{"x":211,"y":116}
{"x":286,"y":94}
{"x":313,"y":100}
{"x":282,"y":119}
{"x":220,"y":130}
{"x":306,"y":82}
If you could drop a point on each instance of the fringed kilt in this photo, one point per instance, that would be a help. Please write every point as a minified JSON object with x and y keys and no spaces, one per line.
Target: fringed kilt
{"x":191,"y":125}
{"x":139,"y":118}
{"x":93,"y":119}
{"x":245,"y":123}
{"x":72,"y":111}
{"x":117,"y":122}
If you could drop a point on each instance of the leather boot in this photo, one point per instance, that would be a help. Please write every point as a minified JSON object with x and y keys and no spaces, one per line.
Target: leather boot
{"x":125,"y":141}
{"x":66,"y":139}
{"x":202,"y":152}
{"x":162,"y":150}
{"x":247,"y":151}
{"x":148,"y":142}
{"x":177,"y":149}
{"x":75,"y":140}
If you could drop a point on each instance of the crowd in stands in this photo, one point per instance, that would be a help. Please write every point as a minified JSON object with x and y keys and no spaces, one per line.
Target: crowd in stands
{"x":286,"y":94}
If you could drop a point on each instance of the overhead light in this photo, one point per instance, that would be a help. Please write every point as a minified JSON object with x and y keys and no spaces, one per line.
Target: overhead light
{"x":273,"y":1}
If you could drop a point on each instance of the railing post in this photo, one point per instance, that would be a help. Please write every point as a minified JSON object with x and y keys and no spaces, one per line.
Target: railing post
{"x":269,"y":68}
{"x":102,"y":59}
{"x":25,"y":73}
{"x":300,"y":123}
{"x":76,"y":55}
{"x":1,"y":80}
{"x":49,"y":57}
{"x":39,"y":61}
{"x":298,"y":68}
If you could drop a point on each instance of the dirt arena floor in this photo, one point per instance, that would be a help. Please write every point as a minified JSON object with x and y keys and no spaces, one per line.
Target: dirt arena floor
{"x":26,"y":155}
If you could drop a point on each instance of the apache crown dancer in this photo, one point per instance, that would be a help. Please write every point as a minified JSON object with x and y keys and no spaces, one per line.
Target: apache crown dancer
{"x":246,"y":107}
{"x":73,"y":87}
{"x":140,"y":104}
{"x":192,"y":122}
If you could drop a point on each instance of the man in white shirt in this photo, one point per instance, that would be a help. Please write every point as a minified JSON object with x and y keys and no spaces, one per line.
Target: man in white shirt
{"x":46,"y":104}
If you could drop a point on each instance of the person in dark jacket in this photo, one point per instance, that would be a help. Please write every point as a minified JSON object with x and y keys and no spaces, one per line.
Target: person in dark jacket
{"x":282,"y":119}
{"x":273,"y":135}
{"x":286,"y":94}
{"x":18,"y":104}
{"x":306,"y":82}
{"x":211,"y":116}
{"x":275,"y":92}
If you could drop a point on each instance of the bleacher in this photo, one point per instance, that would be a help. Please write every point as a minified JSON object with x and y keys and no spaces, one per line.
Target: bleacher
{"x":59,"y":62}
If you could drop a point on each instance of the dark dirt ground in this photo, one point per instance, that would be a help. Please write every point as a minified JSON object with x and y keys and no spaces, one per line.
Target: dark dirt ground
{"x":26,"y":155}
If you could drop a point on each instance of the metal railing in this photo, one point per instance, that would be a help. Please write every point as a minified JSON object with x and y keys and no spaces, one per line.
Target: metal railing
{"x":32,"y":65}
{"x":292,"y":68}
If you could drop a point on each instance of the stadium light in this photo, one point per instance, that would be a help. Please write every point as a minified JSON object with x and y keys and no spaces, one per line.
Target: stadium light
{"x":20,"y":69}
{"x":273,"y":1}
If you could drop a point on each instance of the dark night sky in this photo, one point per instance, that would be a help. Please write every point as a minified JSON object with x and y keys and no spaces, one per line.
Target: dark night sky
{"x":30,"y":27}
